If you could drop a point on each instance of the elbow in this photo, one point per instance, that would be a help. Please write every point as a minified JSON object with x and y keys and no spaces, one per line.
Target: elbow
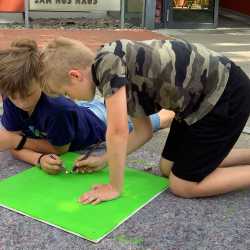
{"x":59,"y":151}
{"x":150,"y":134}
{"x":14,"y":153}
{"x":146,"y":131}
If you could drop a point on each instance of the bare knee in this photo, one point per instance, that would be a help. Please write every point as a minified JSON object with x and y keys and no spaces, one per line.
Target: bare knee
{"x":165,"y":167}
{"x":166,"y":118}
{"x":182,"y":188}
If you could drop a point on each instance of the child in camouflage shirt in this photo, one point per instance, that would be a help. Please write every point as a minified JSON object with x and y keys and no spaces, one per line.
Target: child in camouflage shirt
{"x":209,"y":94}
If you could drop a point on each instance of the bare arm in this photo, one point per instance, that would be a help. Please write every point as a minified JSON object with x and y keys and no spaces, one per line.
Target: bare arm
{"x":43,"y":146}
{"x":142,"y":132}
{"x":50,"y":165}
{"x":117,"y":137}
{"x":118,"y":145}
{"x":26,"y":155}
{"x":8,"y":140}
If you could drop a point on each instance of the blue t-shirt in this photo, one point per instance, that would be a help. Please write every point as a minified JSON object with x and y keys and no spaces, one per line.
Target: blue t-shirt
{"x":57,"y":119}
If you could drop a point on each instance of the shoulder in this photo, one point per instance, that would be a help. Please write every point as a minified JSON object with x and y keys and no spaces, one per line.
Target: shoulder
{"x":8,"y":105}
{"x":57,"y":103}
{"x":56,"y":106}
{"x":115,"y":46}
{"x":111,"y":51}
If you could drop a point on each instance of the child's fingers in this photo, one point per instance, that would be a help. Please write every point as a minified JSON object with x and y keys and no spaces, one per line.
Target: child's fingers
{"x":52,"y":172}
{"x":53,"y":160}
{"x":81,"y":157}
{"x":51,"y":169}
{"x":97,"y":201}
{"x":92,"y":162}
{"x":89,"y":197}
{"x":96,"y":186}
{"x":83,"y":198}
{"x":85,"y":169}
{"x":80,"y":163}
{"x":80,"y":170}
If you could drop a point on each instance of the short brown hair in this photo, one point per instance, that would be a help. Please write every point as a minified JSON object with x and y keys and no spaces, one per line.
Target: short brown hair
{"x":60,"y":56}
{"x":19,"y":67}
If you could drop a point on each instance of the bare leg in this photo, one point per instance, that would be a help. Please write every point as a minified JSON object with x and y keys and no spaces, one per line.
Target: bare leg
{"x":237,"y":157}
{"x":165,"y":166}
{"x":232,"y":174}
{"x":220,"y":181}
{"x":166,"y":117}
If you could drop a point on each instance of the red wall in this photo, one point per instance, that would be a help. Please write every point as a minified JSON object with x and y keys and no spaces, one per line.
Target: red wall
{"x":11,"y":5}
{"x":242,"y":6}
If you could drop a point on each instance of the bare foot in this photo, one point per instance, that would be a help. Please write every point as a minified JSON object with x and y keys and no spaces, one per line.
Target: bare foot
{"x":166,"y":117}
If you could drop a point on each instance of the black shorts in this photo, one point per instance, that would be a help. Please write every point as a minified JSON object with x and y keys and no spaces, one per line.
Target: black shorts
{"x":197,"y":150}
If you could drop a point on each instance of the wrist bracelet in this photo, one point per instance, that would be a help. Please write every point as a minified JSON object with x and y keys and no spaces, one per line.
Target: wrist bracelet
{"x":21,"y":143}
{"x":39,"y":159}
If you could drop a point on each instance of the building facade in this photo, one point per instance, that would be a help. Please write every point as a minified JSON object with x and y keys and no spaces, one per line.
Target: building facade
{"x":142,"y":13}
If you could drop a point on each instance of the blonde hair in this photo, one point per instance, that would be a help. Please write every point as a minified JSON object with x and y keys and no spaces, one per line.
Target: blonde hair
{"x":19,"y":67}
{"x":60,"y":56}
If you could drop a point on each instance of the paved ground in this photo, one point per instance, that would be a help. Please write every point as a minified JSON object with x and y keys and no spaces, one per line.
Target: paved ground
{"x":167,"y":222}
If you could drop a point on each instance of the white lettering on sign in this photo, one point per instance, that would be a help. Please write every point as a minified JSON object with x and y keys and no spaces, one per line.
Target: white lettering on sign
{"x":75,"y":5}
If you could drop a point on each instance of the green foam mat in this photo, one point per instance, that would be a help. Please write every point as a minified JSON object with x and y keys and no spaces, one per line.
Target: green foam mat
{"x":53,"y":199}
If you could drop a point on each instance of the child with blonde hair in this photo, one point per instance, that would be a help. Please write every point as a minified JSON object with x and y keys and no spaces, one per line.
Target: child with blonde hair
{"x":209,"y":94}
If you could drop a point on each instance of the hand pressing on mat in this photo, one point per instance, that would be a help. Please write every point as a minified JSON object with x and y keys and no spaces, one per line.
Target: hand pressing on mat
{"x":50,"y":163}
{"x":99,"y":193}
{"x":89,"y":164}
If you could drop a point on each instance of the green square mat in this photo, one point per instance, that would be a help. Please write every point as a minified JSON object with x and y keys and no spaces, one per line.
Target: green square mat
{"x":53,"y":198}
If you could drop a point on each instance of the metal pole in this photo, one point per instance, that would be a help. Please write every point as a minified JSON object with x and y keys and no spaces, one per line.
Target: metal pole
{"x":26,"y":13}
{"x":216,"y":13}
{"x":143,"y":13}
{"x":122,"y":13}
{"x":149,"y":20}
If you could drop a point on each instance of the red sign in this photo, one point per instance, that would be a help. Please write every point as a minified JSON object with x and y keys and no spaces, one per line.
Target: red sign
{"x":11,"y":5}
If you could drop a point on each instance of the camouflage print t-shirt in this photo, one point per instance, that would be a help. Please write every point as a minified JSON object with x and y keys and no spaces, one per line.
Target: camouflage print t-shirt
{"x":173,"y":74}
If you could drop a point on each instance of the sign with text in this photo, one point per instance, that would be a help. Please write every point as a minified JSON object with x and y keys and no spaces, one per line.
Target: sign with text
{"x":75,"y":5}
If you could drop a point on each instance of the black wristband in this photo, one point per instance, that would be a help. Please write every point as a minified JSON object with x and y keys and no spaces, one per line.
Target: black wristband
{"x":21,"y":143}
{"x":39,"y":159}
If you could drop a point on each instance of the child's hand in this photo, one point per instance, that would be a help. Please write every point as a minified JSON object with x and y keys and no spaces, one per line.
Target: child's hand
{"x":89,"y":165}
{"x":51,"y":164}
{"x":99,"y":193}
